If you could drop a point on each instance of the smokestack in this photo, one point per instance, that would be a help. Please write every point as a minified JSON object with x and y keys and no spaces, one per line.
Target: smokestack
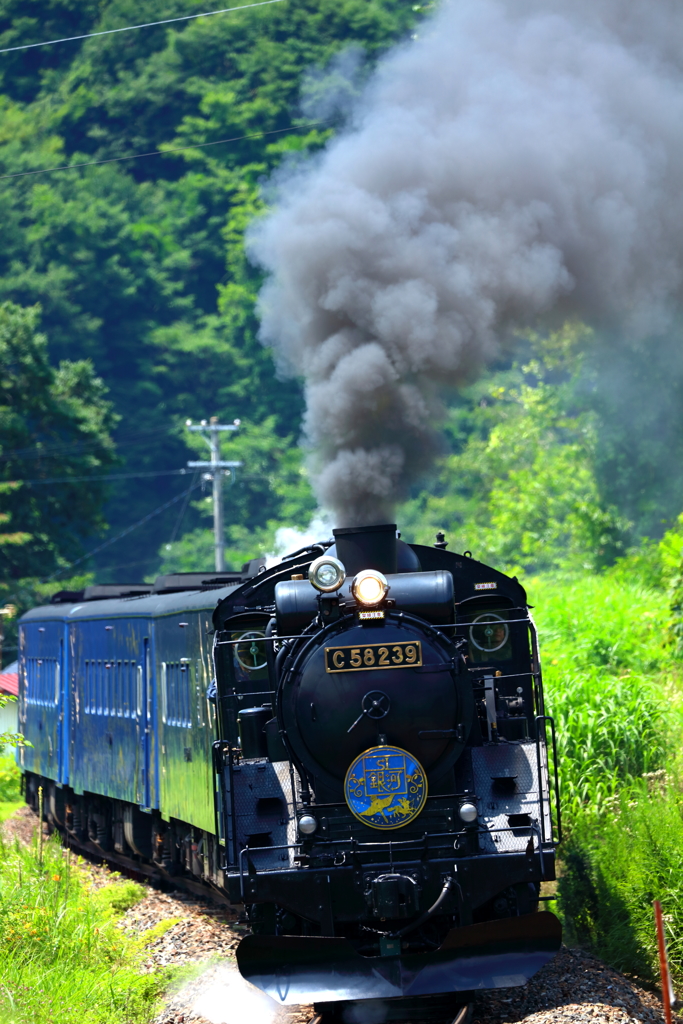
{"x":517,"y":165}
{"x":367,"y":547}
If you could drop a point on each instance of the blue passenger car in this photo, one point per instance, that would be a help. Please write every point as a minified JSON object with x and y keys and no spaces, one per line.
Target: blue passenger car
{"x":113,"y":698}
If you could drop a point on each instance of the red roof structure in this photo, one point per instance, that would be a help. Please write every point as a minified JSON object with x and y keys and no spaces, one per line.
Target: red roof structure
{"x":9,"y":681}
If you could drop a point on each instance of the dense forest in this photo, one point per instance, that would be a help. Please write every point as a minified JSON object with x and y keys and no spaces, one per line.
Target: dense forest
{"x":128,"y":282}
{"x":138,"y":267}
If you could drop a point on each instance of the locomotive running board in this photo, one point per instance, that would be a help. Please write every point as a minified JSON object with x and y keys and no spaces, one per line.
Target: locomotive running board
{"x":306,"y":969}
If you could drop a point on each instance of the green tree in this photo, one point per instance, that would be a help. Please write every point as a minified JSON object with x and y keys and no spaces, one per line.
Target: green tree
{"x":520,"y":486}
{"x":140,"y":266}
{"x":54,"y":423}
{"x":17,"y":537}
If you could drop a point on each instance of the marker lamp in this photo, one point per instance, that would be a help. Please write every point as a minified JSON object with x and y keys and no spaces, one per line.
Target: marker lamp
{"x":468,"y":812}
{"x":369,"y":588}
{"x":327,"y":574}
{"x":307,"y":824}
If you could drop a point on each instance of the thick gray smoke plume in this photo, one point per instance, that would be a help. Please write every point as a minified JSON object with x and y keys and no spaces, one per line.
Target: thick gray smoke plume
{"x":520,"y":162}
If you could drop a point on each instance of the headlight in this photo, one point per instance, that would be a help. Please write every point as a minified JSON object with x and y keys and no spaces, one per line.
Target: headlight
{"x":327,"y":574}
{"x":307,"y":824}
{"x":369,"y":588}
{"x":468,"y":812}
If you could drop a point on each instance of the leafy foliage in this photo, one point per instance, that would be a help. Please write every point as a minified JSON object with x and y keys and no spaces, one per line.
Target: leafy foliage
{"x":520,"y":485}
{"x":57,"y":422}
{"x":10,"y":778}
{"x":140,"y":266}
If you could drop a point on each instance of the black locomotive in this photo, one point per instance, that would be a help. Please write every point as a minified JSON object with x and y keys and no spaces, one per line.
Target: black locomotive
{"x":367,"y":773}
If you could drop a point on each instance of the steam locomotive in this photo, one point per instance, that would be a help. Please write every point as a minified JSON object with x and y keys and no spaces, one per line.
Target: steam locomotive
{"x":351,"y":745}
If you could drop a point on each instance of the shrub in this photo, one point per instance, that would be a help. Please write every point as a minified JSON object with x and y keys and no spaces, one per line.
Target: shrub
{"x":10,"y":780}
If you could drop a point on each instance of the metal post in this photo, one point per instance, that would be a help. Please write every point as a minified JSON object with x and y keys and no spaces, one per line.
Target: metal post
{"x":218,"y":530}
{"x":211,"y":434}
{"x":668,"y":997}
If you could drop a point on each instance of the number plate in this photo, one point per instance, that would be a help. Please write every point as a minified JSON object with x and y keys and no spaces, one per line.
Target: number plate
{"x":369,"y":656}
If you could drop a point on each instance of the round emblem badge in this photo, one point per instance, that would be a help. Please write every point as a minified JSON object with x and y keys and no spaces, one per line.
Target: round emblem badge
{"x":385,"y":787}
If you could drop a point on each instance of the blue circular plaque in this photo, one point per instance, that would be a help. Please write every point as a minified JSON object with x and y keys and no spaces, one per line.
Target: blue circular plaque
{"x":385,"y":787}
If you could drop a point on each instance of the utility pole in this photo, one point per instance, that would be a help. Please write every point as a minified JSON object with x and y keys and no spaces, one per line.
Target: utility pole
{"x":211,"y":433}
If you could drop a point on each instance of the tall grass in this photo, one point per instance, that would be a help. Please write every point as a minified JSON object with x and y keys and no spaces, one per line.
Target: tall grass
{"x":62,"y":958}
{"x":615,"y":865}
{"x":610,"y":682}
{"x":613,"y":685}
{"x":609,"y":733}
{"x":600,"y":621}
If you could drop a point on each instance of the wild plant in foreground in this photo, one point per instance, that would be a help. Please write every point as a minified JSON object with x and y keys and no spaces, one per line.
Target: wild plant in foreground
{"x":62,"y":958}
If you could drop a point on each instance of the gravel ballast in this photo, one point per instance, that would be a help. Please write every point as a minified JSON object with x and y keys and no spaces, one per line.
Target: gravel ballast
{"x":575,"y":987}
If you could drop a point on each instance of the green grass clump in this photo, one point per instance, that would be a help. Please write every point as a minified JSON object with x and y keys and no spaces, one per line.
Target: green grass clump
{"x":10,"y":791}
{"x":63,"y":960}
{"x":615,"y":865}
{"x":10,"y":780}
{"x":609,"y":732}
{"x":610,"y":683}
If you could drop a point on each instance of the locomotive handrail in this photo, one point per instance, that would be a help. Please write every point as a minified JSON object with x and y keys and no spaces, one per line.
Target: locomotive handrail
{"x":456,"y":625}
{"x":515,"y":829}
{"x":536,"y":666}
{"x":509,"y":675}
{"x":260,"y":639}
{"x":507,"y":608}
{"x":220,"y":816}
{"x":298,"y":636}
{"x":538,"y":720}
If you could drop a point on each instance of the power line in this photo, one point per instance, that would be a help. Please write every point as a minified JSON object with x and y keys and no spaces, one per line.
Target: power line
{"x":129,"y":529}
{"x":108,"y":476}
{"x":183,"y":510}
{"x":163,"y":152}
{"x":56,"y":448}
{"x":130,"y":28}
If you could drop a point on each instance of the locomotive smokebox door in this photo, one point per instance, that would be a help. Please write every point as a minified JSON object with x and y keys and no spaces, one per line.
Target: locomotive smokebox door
{"x":334,"y":708}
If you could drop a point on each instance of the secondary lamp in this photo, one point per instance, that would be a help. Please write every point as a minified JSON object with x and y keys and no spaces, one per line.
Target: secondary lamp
{"x":327,"y":574}
{"x":369,"y":588}
{"x":307,"y":824}
{"x":468,"y":812}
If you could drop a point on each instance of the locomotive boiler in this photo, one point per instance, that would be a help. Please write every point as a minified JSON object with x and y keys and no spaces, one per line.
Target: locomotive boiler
{"x":366,"y":772}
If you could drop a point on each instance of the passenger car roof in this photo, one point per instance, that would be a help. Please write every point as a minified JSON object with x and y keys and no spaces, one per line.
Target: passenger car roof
{"x":147,"y":606}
